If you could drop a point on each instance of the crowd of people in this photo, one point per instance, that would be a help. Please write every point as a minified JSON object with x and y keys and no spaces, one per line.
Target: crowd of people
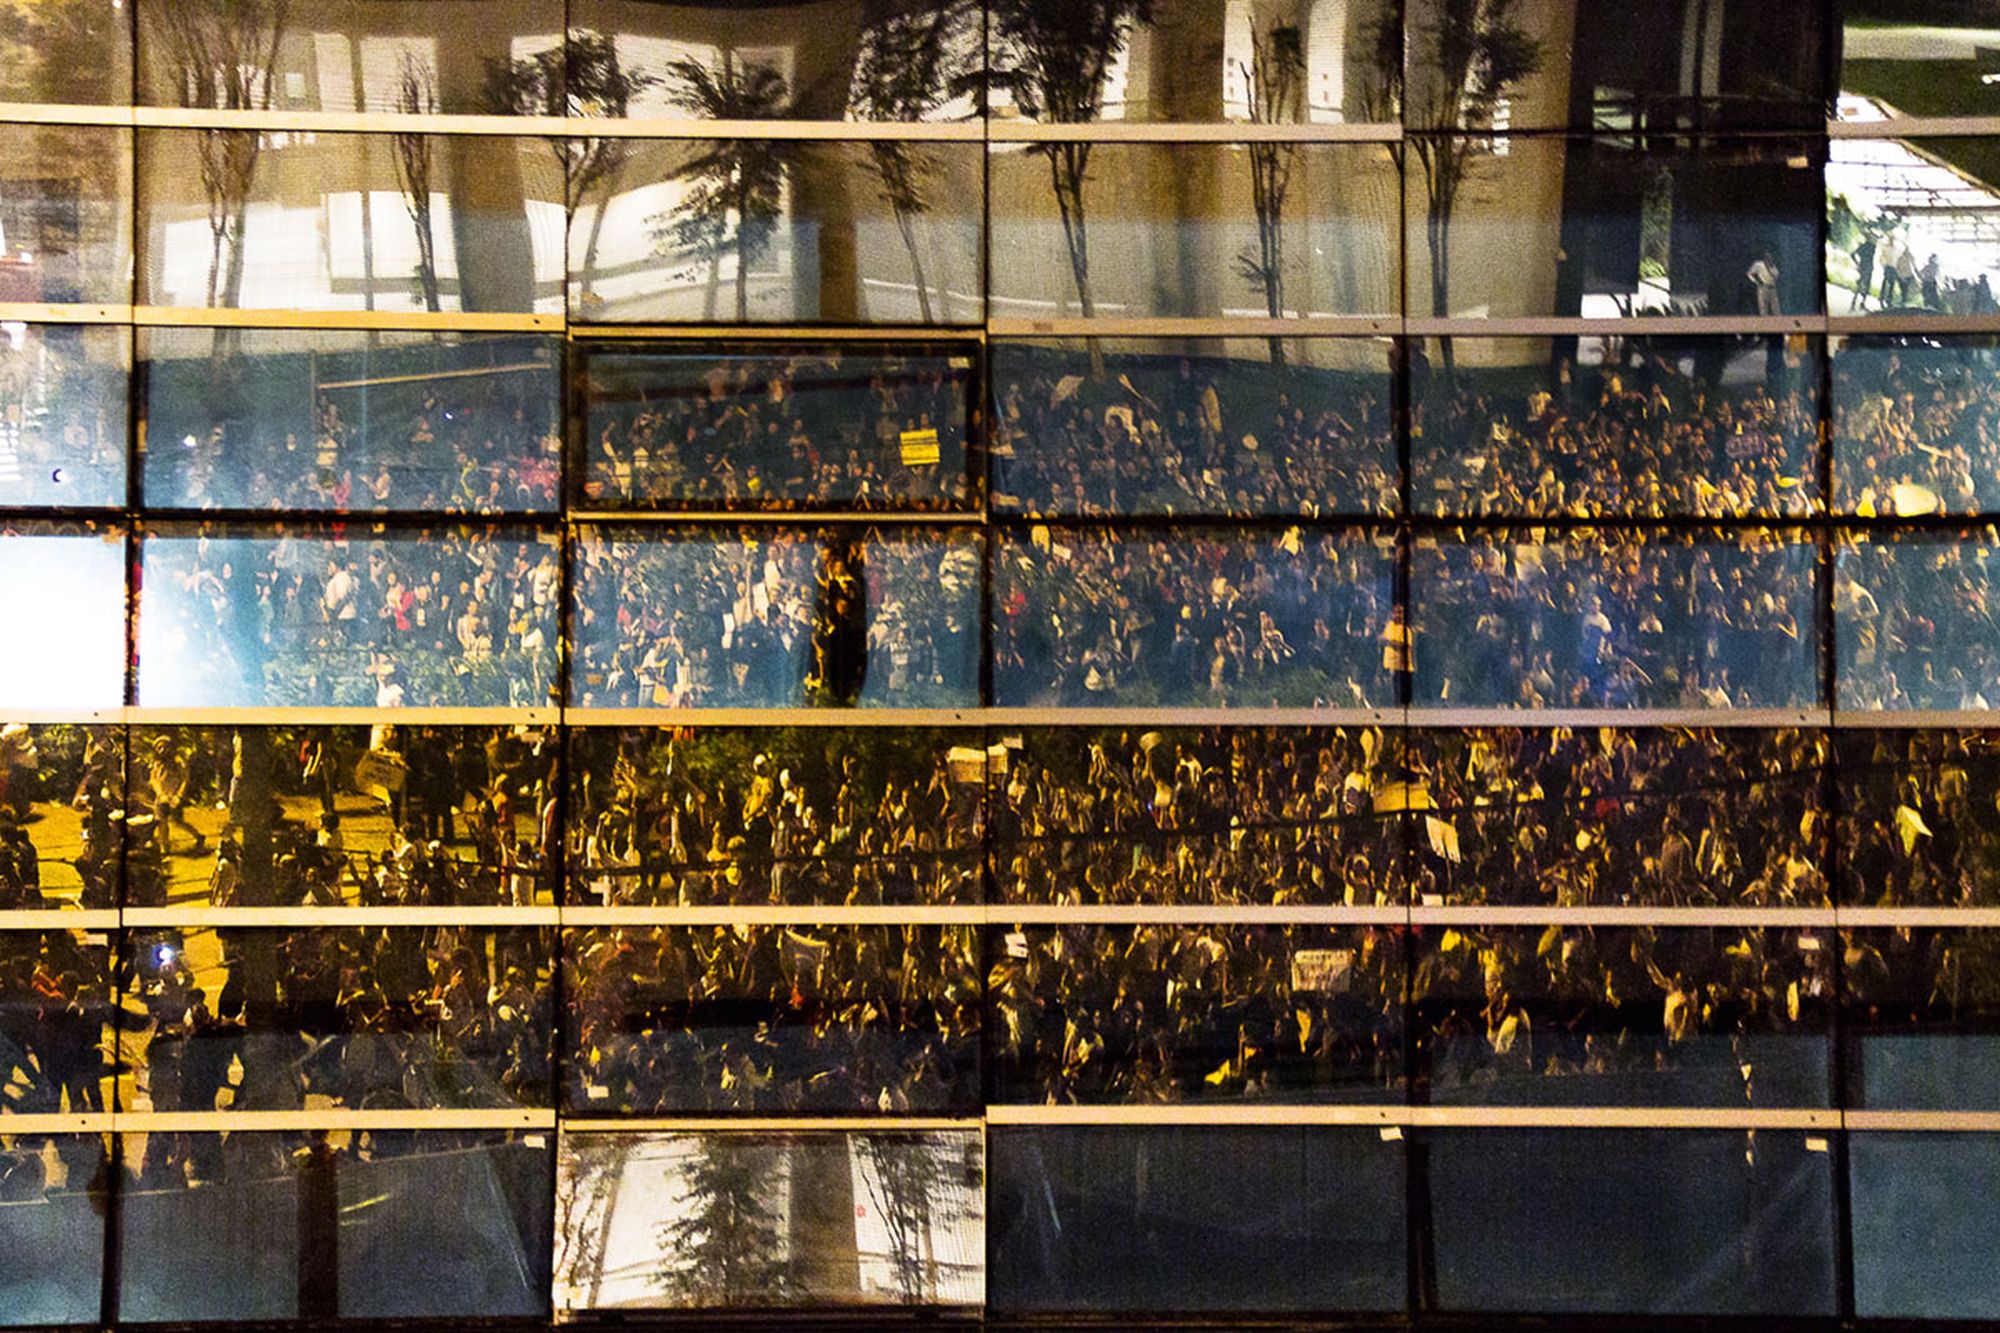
{"x":460,"y":617}
{"x":812,"y":427}
{"x":1915,"y":621}
{"x":772,"y":1018}
{"x":1917,"y":826}
{"x":1889,"y":274}
{"x":1916,"y":427}
{"x":57,"y":1008}
{"x":775,"y":618}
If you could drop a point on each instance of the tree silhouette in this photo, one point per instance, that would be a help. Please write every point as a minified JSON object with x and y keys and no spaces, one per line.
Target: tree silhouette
{"x":736,"y":188}
{"x":723,"y":1248}
{"x":915,"y":1202}
{"x":416,"y":95}
{"x":1275,"y":79}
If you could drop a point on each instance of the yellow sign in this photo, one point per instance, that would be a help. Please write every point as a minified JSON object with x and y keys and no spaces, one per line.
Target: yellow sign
{"x":919,"y":447}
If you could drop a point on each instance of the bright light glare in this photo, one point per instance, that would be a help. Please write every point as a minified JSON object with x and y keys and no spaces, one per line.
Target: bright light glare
{"x":68,"y":593}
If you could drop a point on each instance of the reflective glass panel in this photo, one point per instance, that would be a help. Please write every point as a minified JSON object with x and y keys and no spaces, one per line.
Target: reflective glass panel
{"x":76,"y":52}
{"x":772,"y":1019}
{"x":1596,"y":427}
{"x":1900,"y":59}
{"x":1909,"y":226}
{"x":745,"y":1221}
{"x":1607,"y":227}
{"x":275,"y":1019}
{"x":1127,"y":230}
{"x":57,"y":1000}
{"x":1209,"y":1218}
{"x":1916,"y":426}
{"x":1216,"y":815}
{"x":1917,"y":824}
{"x":1196,"y":616}
{"x":776,"y":815}
{"x":1597,"y":618}
{"x":1910,"y":620}
{"x":66,"y":213}
{"x":348,"y":816}
{"x":314,"y":221}
{"x":748,"y":231}
{"x":53,"y":1200}
{"x":775,"y":617}
{"x":1233,"y":427}
{"x":1159,"y":1013}
{"x":834,"y":425}
{"x":1923,"y":1208}
{"x":70,"y":575}
{"x":231,"y":616}
{"x":61,"y":806}
{"x":63,"y":405}
{"x":1604,"y":818}
{"x":291,"y":419}
{"x":382,"y":1224}
{"x":1921,"y":1019}
{"x":1659,"y":1222}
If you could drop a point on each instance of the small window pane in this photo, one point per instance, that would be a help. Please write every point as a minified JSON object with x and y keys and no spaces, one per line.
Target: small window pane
{"x":1914,"y":830}
{"x":1916,"y":426}
{"x":1910,"y":624}
{"x":1900,"y":60}
{"x":1908,"y":226}
{"x":66,"y":214}
{"x":57,"y":999}
{"x":63,"y":415}
{"x":1924,"y":1212}
{"x":62,"y":797}
{"x":72,"y":575}
{"x":75,"y":52}
{"x":1920,"y":1020}
{"x":52,"y":1227}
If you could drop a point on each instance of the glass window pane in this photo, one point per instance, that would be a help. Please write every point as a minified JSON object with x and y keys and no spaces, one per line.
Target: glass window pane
{"x":740,"y":426}
{"x":1124,"y":230}
{"x":291,"y":419}
{"x":72,"y":575}
{"x":1660,"y":1222}
{"x":775,"y":617}
{"x":454,"y":617}
{"x":1627,"y":818}
{"x":1599,"y":618}
{"x":1186,"y":616}
{"x":1617,"y":1016}
{"x":57,"y":999}
{"x":1607,"y":227}
{"x":1924,"y":1211}
{"x":264,"y":1019}
{"x":1197,"y":1219}
{"x":1226,"y":427}
{"x":403,"y":222}
{"x":1917,"y":828}
{"x":379,"y":1224}
{"x":1597,"y":427}
{"x":776,"y":815}
{"x":1925,"y":60}
{"x":1921,"y":1019}
{"x":66,"y":214}
{"x":75,"y":52}
{"x":743,"y":1221}
{"x":769,"y":1018}
{"x":1909,"y":226}
{"x":63,"y":405}
{"x":384,"y":817}
{"x":1914,"y":426}
{"x":906,"y":60}
{"x":1215,"y":815}
{"x":52,"y":1225}
{"x":1195,"y":1013}
{"x":62,"y":800}
{"x":748,"y":231}
{"x":1910,"y":622}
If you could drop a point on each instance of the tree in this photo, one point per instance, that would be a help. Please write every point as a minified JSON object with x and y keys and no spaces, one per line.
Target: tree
{"x":1467,"y":54}
{"x":912,"y":1197}
{"x":416,"y":95}
{"x":1275,"y":80}
{"x":723,"y":1248}
{"x":737,"y":185}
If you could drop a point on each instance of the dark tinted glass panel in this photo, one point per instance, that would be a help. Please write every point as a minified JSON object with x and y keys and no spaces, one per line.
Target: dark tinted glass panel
{"x":775,"y":617}
{"x":1192,"y":230}
{"x":786,"y":230}
{"x":1208,"y":616}
{"x":66,"y":213}
{"x":1910,"y":620}
{"x":492,"y":57}
{"x":1922,"y":1019}
{"x":383,"y":1224}
{"x":67,"y":51}
{"x":388,"y":817}
{"x":1918,"y":825}
{"x":1916,"y":426}
{"x":1292,"y":426}
{"x":1615,"y":1016}
{"x":1603,"y":818}
{"x":403,"y":222}
{"x":771,"y":1018}
{"x":71,"y":575}
{"x":835,"y":425}
{"x":1195,"y":1013}
{"x":1657,"y":65}
{"x":1595,"y":427}
{"x":1607,"y":227}
{"x":1910,"y":226}
{"x":779,"y":815}
{"x":52,"y":1225}
{"x":354,"y":421}
{"x":750,"y":1220}
{"x":1197,"y":1219}
{"x":56,"y":1002}
{"x":232,"y":616}
{"x":1244,"y":815}
{"x":61,"y":804}
{"x":1605,"y":619}
{"x":1924,"y":1206}
{"x":239,"y":1019}
{"x":63,"y":401}
{"x":1660,"y":1222}
{"x":1901,"y":59}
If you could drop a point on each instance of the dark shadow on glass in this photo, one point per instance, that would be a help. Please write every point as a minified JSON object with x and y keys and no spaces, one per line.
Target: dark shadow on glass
{"x":57,"y":998}
{"x":1921,"y":1019}
{"x":1923,"y":1207}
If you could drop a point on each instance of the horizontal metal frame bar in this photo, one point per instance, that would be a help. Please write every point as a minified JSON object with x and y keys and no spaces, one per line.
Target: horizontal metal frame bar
{"x":1221,"y":327}
{"x":971,"y":335}
{"x":1932,"y":1122}
{"x":1853,"y":719}
{"x":80,"y":1122}
{"x":1635,"y":326}
{"x":545,"y":127}
{"x":414,"y":321}
{"x":1192,"y":914}
{"x":1178,"y":132}
{"x":1913,"y":127}
{"x":964,"y":518}
{"x":333,"y":1118}
{"x":143,"y":716}
{"x":44,"y":312}
{"x":1422,"y":718}
{"x":61,"y":918}
{"x":774,"y":717}
{"x":194,"y":917}
{"x":758,"y":1124}
{"x":779,"y":914}
{"x":1666,"y":917}
{"x":1432,"y":1117}
{"x":1940,"y":918}
{"x":1848,"y":325}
